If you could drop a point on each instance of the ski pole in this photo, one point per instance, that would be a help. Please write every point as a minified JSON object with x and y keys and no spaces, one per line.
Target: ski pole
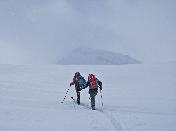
{"x":74,"y":101}
{"x":101,"y":98}
{"x":65,"y":95}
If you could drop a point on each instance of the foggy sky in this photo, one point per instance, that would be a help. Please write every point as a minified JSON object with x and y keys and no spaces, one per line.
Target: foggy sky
{"x":43,"y":31}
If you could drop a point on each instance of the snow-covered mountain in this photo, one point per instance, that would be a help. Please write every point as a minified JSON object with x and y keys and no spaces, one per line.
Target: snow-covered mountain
{"x":89,"y":56}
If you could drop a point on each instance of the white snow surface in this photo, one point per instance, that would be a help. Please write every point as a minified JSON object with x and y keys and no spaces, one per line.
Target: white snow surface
{"x":140,"y":97}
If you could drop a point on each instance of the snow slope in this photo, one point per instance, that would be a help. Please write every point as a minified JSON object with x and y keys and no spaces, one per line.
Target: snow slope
{"x":138,"y":97}
{"x":90,"y":56}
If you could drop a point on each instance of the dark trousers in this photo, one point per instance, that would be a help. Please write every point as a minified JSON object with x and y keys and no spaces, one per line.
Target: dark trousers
{"x":93,"y":93}
{"x":77,"y":88}
{"x":78,"y":97}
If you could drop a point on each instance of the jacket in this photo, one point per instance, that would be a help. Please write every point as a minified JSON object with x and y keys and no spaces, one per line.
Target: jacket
{"x":88,"y":83}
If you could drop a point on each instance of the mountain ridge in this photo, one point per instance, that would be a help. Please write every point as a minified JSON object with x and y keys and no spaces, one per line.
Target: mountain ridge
{"x":90,"y":56}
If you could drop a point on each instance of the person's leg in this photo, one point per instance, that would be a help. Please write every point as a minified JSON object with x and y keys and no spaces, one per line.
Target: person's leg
{"x":78,"y":97}
{"x":92,"y":97}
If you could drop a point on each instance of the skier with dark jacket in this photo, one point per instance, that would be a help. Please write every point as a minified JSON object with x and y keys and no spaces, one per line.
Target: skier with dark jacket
{"x":79,"y":83}
{"x":93,"y":84}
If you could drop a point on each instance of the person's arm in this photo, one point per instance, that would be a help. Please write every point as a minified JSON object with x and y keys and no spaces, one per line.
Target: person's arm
{"x":100,"y":84}
{"x":86,"y":85}
{"x":73,"y":82}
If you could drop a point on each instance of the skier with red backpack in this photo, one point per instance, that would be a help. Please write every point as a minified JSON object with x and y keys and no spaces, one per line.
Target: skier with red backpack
{"x":79,"y":83}
{"x":93,"y":84}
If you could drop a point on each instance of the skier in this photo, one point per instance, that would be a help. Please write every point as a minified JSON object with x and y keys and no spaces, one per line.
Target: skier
{"x":79,"y":82}
{"x":93,"y":84}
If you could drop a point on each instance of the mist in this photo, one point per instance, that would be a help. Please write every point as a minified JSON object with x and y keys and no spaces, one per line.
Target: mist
{"x":44,"y":31}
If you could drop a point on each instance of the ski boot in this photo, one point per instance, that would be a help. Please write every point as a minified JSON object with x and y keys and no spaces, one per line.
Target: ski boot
{"x":78,"y":101}
{"x":93,"y":107}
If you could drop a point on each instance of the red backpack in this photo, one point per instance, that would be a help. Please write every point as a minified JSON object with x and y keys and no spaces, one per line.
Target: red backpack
{"x":93,"y":81}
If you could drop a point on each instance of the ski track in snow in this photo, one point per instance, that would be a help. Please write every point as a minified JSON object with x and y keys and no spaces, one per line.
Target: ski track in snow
{"x":108,"y":115}
{"x":114,"y":122}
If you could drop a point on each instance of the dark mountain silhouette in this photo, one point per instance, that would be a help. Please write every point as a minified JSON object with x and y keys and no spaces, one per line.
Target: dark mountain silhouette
{"x":88,"y":56}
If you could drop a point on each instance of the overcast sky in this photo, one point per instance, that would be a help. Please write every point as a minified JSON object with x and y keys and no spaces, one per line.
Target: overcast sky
{"x":43,"y":31}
